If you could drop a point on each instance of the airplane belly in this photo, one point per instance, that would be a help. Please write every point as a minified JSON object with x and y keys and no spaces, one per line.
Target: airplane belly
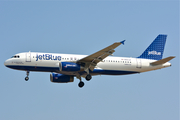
{"x":116,"y":68}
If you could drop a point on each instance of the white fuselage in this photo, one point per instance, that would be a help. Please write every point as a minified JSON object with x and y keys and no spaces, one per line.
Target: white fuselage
{"x":49,"y":62}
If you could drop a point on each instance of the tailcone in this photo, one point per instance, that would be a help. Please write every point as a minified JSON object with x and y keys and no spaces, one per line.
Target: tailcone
{"x":167,"y":64}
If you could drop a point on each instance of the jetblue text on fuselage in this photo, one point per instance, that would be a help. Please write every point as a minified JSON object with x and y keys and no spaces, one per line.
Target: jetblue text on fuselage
{"x":47,"y":57}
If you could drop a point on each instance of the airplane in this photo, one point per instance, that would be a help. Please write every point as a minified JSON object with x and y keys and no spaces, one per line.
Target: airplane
{"x":64,"y":67}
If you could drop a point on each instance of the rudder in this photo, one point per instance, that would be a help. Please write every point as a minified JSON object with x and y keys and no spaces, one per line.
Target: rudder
{"x":155,"y":49}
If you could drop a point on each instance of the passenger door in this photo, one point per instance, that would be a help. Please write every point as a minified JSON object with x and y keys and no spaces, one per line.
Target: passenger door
{"x":28,"y":57}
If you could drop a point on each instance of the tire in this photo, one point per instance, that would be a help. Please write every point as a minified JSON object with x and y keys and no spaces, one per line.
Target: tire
{"x":88,"y":77}
{"x":81,"y":84}
{"x":26,"y":78}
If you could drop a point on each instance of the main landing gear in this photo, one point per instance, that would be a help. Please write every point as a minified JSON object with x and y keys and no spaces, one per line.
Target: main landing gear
{"x":81,"y":83}
{"x":88,"y":77}
{"x":27,"y":78}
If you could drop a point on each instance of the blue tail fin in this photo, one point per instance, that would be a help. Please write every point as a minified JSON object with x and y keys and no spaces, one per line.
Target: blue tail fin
{"x":156,"y":49}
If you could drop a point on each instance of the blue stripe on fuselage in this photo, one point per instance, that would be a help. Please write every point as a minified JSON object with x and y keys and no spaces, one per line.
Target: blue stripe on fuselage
{"x":34,"y":68}
{"x":56,"y":69}
{"x":112,"y":72}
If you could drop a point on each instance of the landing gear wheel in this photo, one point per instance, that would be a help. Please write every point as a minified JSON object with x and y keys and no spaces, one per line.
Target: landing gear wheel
{"x":81,"y":84}
{"x":88,"y":77}
{"x":26,"y":78}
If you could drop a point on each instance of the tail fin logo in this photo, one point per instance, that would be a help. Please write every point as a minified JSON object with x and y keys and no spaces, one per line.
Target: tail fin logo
{"x":155,"y":49}
{"x":154,"y":53}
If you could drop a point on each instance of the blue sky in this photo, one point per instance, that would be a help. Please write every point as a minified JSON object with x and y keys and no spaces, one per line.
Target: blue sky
{"x":78,"y":27}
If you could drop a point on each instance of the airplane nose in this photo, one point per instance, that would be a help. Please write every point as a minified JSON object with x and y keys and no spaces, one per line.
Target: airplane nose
{"x":6,"y":62}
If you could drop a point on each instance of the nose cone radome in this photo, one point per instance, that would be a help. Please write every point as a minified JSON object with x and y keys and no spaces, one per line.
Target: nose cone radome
{"x":7,"y":62}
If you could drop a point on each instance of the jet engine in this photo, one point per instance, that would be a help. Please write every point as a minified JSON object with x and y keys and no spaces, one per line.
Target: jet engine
{"x":60,"y":78}
{"x":70,"y":67}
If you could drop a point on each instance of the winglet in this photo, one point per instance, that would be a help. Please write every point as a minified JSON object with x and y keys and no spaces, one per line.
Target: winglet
{"x":122,"y":42}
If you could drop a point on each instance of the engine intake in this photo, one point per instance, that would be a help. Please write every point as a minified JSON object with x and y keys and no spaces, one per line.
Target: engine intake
{"x":70,"y":67}
{"x":60,"y":78}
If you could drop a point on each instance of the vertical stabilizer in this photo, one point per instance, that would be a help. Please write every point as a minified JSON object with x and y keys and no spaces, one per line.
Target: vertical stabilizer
{"x":156,"y":49}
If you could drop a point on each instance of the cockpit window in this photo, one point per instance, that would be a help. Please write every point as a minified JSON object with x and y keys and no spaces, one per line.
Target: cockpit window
{"x":16,"y":56}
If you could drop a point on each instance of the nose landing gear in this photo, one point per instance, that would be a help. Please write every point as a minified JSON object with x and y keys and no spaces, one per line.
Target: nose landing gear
{"x":27,"y":78}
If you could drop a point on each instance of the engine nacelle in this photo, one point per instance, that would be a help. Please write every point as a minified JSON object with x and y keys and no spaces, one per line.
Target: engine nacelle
{"x":60,"y":78}
{"x":70,"y":67}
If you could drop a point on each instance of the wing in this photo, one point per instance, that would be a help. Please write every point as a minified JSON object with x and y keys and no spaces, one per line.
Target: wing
{"x":91,"y":61}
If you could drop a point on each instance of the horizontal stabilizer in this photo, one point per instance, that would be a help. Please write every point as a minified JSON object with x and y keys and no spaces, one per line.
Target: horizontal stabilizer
{"x":162,"y":61}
